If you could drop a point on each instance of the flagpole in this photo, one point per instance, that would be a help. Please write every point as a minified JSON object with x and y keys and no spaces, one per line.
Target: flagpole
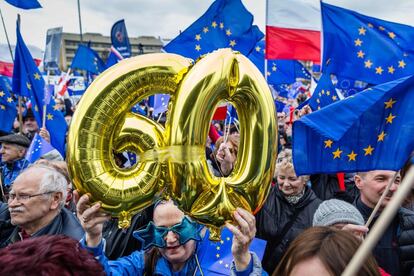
{"x":19,"y":97}
{"x":381,"y":224}
{"x":44,"y":102}
{"x":7,"y":36}
{"x":80,"y":22}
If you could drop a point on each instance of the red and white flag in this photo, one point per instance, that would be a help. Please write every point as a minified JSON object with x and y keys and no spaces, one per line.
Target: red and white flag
{"x":293,"y":30}
{"x":62,"y":85}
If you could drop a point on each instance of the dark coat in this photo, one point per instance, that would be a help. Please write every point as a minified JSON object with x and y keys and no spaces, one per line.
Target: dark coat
{"x":65,"y":223}
{"x":394,"y":252}
{"x":326,"y":186}
{"x":272,"y":218}
{"x":119,"y":242}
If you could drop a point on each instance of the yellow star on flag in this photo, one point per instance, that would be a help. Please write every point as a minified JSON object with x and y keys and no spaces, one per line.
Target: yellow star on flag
{"x":1,"y":94}
{"x":258,"y":49}
{"x":328,"y":143}
{"x":56,"y":107}
{"x":391,"y":69}
{"x":328,"y":93}
{"x":368,"y":63}
{"x":36,"y":76}
{"x":334,"y":98}
{"x":401,"y":64}
{"x":381,"y":28}
{"x":3,"y":107}
{"x":368,"y":150}
{"x":232,"y":43}
{"x":198,"y":47}
{"x":362,"y":31}
{"x":205,"y":30}
{"x":390,"y":118}
{"x":214,"y":24}
{"x":221,"y":25}
{"x":381,"y":136}
{"x":9,"y":99}
{"x":390,"y":103}
{"x":268,"y":73}
{"x":391,"y":35}
{"x":49,"y":116}
{"x":323,"y":92}
{"x":352,"y":156}
{"x":29,"y":86}
{"x":228,"y":32}
{"x":361,"y":54}
{"x":378,"y":70}
{"x":218,"y":255}
{"x":198,"y":37}
{"x":370,"y":25}
{"x":274,"y":68}
{"x":358,"y":42}
{"x":337,"y":153}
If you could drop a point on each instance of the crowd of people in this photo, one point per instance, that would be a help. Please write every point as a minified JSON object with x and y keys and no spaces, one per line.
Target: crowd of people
{"x":312,"y":225}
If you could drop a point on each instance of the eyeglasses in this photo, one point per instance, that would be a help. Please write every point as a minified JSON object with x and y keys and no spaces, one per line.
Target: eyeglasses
{"x":23,"y":198}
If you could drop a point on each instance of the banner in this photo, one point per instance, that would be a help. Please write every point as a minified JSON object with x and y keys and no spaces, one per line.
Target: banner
{"x":119,"y":38}
{"x":52,"y":50}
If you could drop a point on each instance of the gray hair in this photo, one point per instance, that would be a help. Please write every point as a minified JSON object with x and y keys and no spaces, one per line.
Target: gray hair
{"x":52,"y":181}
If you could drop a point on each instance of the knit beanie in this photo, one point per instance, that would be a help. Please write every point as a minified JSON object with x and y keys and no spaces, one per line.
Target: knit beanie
{"x":335,"y":211}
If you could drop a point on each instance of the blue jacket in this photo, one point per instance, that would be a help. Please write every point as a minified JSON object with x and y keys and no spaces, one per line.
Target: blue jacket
{"x":134,"y":264}
{"x":9,"y":172}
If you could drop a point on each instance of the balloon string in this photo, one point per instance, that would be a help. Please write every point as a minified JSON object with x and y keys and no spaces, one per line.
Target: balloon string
{"x":174,"y":154}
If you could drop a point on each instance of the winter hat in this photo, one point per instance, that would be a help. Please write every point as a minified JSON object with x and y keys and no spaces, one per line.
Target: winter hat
{"x":335,"y":211}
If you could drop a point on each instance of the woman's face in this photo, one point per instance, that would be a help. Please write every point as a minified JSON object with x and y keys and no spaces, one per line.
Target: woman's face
{"x":168,"y":215}
{"x":289,"y":183}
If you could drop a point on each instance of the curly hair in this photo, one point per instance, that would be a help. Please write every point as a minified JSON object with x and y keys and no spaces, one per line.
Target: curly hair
{"x":48,"y":255}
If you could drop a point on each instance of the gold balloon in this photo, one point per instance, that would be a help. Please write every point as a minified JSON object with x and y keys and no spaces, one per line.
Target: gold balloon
{"x":103,"y":123}
{"x":174,"y":158}
{"x":229,"y":76}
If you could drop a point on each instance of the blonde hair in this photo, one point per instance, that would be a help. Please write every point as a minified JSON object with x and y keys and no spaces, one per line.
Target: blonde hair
{"x":284,"y":161}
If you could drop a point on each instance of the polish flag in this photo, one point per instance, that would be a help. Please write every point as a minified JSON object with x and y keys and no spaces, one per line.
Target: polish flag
{"x":6,"y":69}
{"x":63,"y":83}
{"x":293,"y":30}
{"x":221,"y":112}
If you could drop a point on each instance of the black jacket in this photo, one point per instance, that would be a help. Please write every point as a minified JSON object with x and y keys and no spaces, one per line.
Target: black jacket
{"x":275,"y":215}
{"x":394,"y":252}
{"x":326,"y":186}
{"x":120,"y":242}
{"x":65,"y":223}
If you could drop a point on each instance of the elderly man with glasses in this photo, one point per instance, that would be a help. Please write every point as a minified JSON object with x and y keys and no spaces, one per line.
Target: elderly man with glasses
{"x":36,"y":203}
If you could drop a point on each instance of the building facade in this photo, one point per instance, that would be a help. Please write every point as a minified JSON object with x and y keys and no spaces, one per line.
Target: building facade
{"x":102,"y":44}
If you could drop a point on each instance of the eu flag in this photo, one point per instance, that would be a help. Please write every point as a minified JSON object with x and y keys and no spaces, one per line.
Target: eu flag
{"x":215,"y":257}
{"x":25,"y":4}
{"x":324,"y":94}
{"x":7,"y":106}
{"x":88,"y":60}
{"x":366,"y":48}
{"x":38,"y":148}
{"x":371,"y":130}
{"x":160,"y":103}
{"x":226,"y":23}
{"x":27,"y":80}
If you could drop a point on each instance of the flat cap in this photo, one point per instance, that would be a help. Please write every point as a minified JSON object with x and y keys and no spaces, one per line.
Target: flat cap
{"x":17,"y":139}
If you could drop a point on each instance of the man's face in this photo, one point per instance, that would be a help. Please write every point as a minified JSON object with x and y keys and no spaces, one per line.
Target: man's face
{"x":30,"y":212}
{"x":372,"y":185}
{"x":167,"y":215}
{"x":10,"y":152}
{"x":30,"y":125}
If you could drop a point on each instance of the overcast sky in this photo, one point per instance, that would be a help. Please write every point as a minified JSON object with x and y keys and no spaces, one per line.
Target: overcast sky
{"x":162,"y":18}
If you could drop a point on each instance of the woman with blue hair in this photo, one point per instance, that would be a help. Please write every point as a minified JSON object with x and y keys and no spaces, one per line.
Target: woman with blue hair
{"x":170,"y":242}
